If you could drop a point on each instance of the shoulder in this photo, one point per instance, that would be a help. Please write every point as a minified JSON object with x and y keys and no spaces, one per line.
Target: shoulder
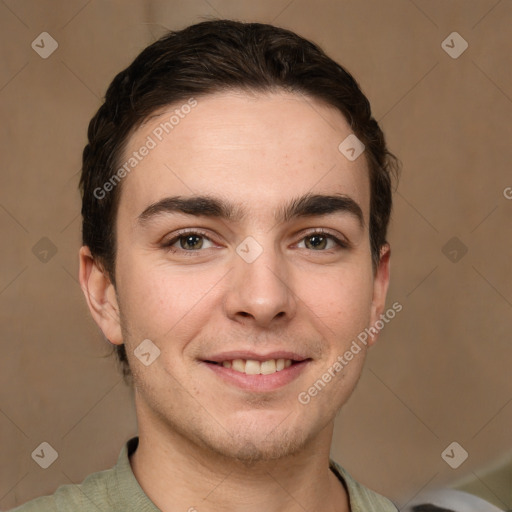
{"x":114,"y":489}
{"x":43,"y":504}
{"x":361,"y":498}
{"x":93,"y":494}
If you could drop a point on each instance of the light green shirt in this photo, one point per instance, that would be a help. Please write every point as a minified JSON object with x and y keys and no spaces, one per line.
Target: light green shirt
{"x":117,"y":490}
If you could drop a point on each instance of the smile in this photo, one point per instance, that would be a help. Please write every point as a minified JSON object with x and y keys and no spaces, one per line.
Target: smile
{"x":263,"y":375}
{"x":253,"y":367}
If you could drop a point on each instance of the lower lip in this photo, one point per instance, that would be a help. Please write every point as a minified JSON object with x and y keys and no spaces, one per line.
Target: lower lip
{"x":258,"y":383}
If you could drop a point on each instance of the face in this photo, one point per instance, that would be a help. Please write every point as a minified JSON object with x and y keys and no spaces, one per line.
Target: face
{"x":252,"y":292}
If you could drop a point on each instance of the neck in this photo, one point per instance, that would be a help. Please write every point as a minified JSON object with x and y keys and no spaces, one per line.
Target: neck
{"x":178,"y":474}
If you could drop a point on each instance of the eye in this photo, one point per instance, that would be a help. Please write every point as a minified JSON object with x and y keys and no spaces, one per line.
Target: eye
{"x":321,"y":241}
{"x":189,"y":241}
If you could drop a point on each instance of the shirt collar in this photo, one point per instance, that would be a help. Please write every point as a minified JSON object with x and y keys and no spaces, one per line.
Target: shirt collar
{"x":131,"y":496}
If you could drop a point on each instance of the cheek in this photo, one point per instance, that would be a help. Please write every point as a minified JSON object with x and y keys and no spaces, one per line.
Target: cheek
{"x":159,"y":299}
{"x":341,"y":298}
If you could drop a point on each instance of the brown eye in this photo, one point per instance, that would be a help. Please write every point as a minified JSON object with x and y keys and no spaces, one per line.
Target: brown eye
{"x":316,"y":242}
{"x":322,"y":241}
{"x":189,"y":241}
{"x":193,"y":242}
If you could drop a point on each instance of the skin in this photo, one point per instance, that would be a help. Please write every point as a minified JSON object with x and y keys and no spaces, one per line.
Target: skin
{"x":203,"y":442}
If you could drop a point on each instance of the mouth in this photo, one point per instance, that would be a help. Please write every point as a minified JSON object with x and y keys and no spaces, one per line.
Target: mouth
{"x":255,"y":372}
{"x":255,"y":367}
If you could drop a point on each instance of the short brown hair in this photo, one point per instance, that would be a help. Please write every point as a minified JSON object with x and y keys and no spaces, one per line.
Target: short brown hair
{"x":203,"y":59}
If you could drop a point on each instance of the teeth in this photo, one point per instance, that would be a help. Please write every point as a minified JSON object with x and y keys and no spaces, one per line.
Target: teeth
{"x":238,"y":365}
{"x":267,"y":367}
{"x":253,"y":367}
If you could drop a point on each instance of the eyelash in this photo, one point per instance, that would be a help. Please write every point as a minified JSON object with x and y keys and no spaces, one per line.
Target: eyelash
{"x":168,"y":244}
{"x":341,"y":244}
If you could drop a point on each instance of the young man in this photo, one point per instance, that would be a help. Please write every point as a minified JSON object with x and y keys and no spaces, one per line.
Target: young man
{"x":236,"y":196}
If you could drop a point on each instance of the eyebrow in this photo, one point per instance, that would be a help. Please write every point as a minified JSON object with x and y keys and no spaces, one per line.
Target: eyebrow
{"x":308,"y":205}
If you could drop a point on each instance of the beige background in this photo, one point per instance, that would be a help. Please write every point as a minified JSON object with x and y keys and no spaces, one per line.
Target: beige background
{"x":441,"y":371}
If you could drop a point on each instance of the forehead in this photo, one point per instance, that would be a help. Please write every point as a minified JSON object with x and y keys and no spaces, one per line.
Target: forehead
{"x":257,"y":149}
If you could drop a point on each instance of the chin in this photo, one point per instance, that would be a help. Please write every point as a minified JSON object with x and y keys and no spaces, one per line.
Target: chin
{"x":250,"y":446}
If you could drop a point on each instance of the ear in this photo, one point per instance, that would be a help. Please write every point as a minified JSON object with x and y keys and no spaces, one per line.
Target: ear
{"x":100,"y":295}
{"x":380,"y":289}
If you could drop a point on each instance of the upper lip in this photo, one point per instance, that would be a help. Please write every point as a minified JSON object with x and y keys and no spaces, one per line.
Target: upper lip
{"x":244,"y":354}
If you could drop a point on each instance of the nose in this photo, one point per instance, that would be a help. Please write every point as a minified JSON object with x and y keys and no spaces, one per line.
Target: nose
{"x":261,"y":292}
